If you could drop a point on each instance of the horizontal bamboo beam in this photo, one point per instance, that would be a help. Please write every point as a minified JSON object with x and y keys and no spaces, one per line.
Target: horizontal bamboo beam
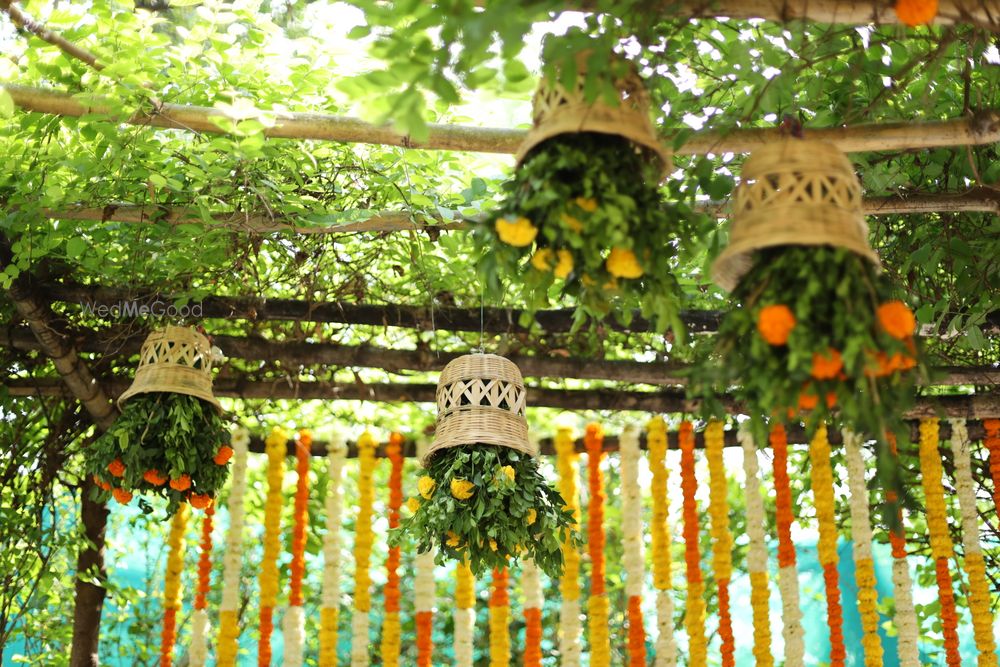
{"x":977,"y":406}
{"x":978,"y":200}
{"x":294,"y":354}
{"x":424,"y":318}
{"x":982,"y":128}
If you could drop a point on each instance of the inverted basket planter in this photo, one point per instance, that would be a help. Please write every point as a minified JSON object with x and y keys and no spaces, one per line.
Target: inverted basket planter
{"x":793,"y":192}
{"x":481,"y":401}
{"x":175,"y":360}
{"x":556,"y":111}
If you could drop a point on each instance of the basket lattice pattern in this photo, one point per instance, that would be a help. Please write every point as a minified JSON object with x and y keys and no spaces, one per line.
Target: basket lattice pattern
{"x":556,"y":110}
{"x":481,"y":399}
{"x":174,"y":360}
{"x":793,"y":192}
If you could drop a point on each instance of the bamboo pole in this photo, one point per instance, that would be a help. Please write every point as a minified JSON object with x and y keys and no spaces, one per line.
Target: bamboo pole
{"x":982,"y":128}
{"x":120,"y":346}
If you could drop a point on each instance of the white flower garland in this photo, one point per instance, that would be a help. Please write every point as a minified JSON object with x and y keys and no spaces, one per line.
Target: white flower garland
{"x":465,"y":621}
{"x":631,"y":511}
{"x":423,"y":582}
{"x":666,"y":648}
{"x":906,"y":614}
{"x":198,"y":650}
{"x":294,"y":632}
{"x":232,"y":559}
{"x":330,"y":601}
{"x":757,"y":552}
{"x":359,"y":640}
{"x":531,"y":585}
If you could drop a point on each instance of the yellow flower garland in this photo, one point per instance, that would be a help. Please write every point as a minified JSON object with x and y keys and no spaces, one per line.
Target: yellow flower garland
{"x":499,"y":619}
{"x":364,"y":536}
{"x":229,"y":608}
{"x":756,"y":562}
{"x":722,"y":537}
{"x":822,"y":485}
{"x":172,"y":596}
{"x":656,"y":440}
{"x":276,"y":449}
{"x":465,"y":614}
{"x":569,"y":584}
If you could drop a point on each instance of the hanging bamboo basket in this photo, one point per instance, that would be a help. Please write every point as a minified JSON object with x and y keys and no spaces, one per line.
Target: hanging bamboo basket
{"x":175,"y":360}
{"x":556,"y":110}
{"x":793,"y":192}
{"x":481,"y":401}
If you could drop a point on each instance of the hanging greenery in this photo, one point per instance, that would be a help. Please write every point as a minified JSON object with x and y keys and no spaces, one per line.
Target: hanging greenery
{"x":163,"y":444}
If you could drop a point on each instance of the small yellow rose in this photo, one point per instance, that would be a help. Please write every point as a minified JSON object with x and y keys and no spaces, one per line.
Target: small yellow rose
{"x":426,"y":487}
{"x":622,"y":263}
{"x":532,"y":516}
{"x":588,"y":204}
{"x":493,"y":544}
{"x":413,"y":504}
{"x":518,"y":232}
{"x":541,"y":259}
{"x":564,"y":263}
{"x":462,"y":489}
{"x":453,"y":539}
{"x":574,"y":224}
{"x":508,"y":472}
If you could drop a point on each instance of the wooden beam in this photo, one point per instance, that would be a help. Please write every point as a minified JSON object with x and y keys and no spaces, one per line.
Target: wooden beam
{"x":24,"y":22}
{"x":982,"y":200}
{"x":975,"y":406}
{"x":98,"y":300}
{"x":294,"y":354}
{"x":982,"y":128}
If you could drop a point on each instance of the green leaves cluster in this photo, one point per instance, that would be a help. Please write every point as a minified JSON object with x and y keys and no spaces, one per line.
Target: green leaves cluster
{"x":172,"y":434}
{"x":589,"y":193}
{"x":512,"y":511}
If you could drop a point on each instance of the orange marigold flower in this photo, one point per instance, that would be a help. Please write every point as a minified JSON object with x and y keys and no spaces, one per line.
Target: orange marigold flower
{"x":808,"y":400}
{"x":827,"y":365}
{"x":116,"y":468}
{"x":154,"y":477}
{"x":182,"y":483}
{"x":223,"y":455}
{"x":200,"y":501}
{"x":122,"y":496}
{"x":775,"y":323}
{"x":916,"y":12}
{"x":101,"y":484}
{"x":831,"y":399}
{"x":897,"y":319}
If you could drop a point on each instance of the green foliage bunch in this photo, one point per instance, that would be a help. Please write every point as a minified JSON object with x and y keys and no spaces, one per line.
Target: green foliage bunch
{"x":163,"y":444}
{"x":815,"y":334}
{"x":488,"y":505}
{"x":583,"y":217}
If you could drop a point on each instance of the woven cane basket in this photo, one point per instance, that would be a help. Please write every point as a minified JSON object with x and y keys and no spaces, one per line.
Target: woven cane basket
{"x":481,"y":400}
{"x":556,"y":110}
{"x":793,"y":192}
{"x":176,"y":360}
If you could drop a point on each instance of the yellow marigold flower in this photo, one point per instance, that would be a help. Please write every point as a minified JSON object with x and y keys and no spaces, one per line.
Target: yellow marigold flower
{"x":508,"y":472}
{"x":426,"y":486}
{"x":518,"y":233}
{"x":493,"y":544}
{"x":622,"y":263}
{"x":574,"y":224}
{"x":462,"y":489}
{"x":564,"y":263}
{"x":532,"y":516}
{"x":413,"y":504}
{"x":453,"y":539}
{"x":542,"y":259}
{"x":588,"y":204}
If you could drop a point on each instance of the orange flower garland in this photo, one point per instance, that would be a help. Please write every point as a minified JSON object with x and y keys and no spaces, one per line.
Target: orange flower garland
{"x":500,"y":619}
{"x":788,"y":575}
{"x":198,"y":651}
{"x":940,"y":537}
{"x":390,"y":644}
{"x":694,"y":617}
{"x":722,"y":538}
{"x":992,"y":442}
{"x":598,"y":606}
{"x":172,"y":594}
{"x":822,"y":485}
{"x":532,"y":587}
{"x":294,"y":624}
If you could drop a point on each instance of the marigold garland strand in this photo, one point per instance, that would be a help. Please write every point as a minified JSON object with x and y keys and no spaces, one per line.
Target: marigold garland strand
{"x":229,"y":609}
{"x":500,"y":619}
{"x":722,"y":537}
{"x":363,"y":551}
{"x":172,"y":593}
{"x":694,"y":618}
{"x":822,"y":485}
{"x":569,"y":585}
{"x":631,"y":498}
{"x":905,"y":618}
{"x":465,"y":614}
{"x":390,"y":644}
{"x":275,"y":448}
{"x":598,"y":605}
{"x":198,"y":651}
{"x":975,"y":566}
{"x":992,"y":442}
{"x":294,"y":625}
{"x":656,"y":440}
{"x":760,"y":593}
{"x":937,"y":525}
{"x":531,"y":585}
{"x":329,"y":612}
{"x":788,"y":573}
{"x":423,"y":593}
{"x":861,"y":537}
